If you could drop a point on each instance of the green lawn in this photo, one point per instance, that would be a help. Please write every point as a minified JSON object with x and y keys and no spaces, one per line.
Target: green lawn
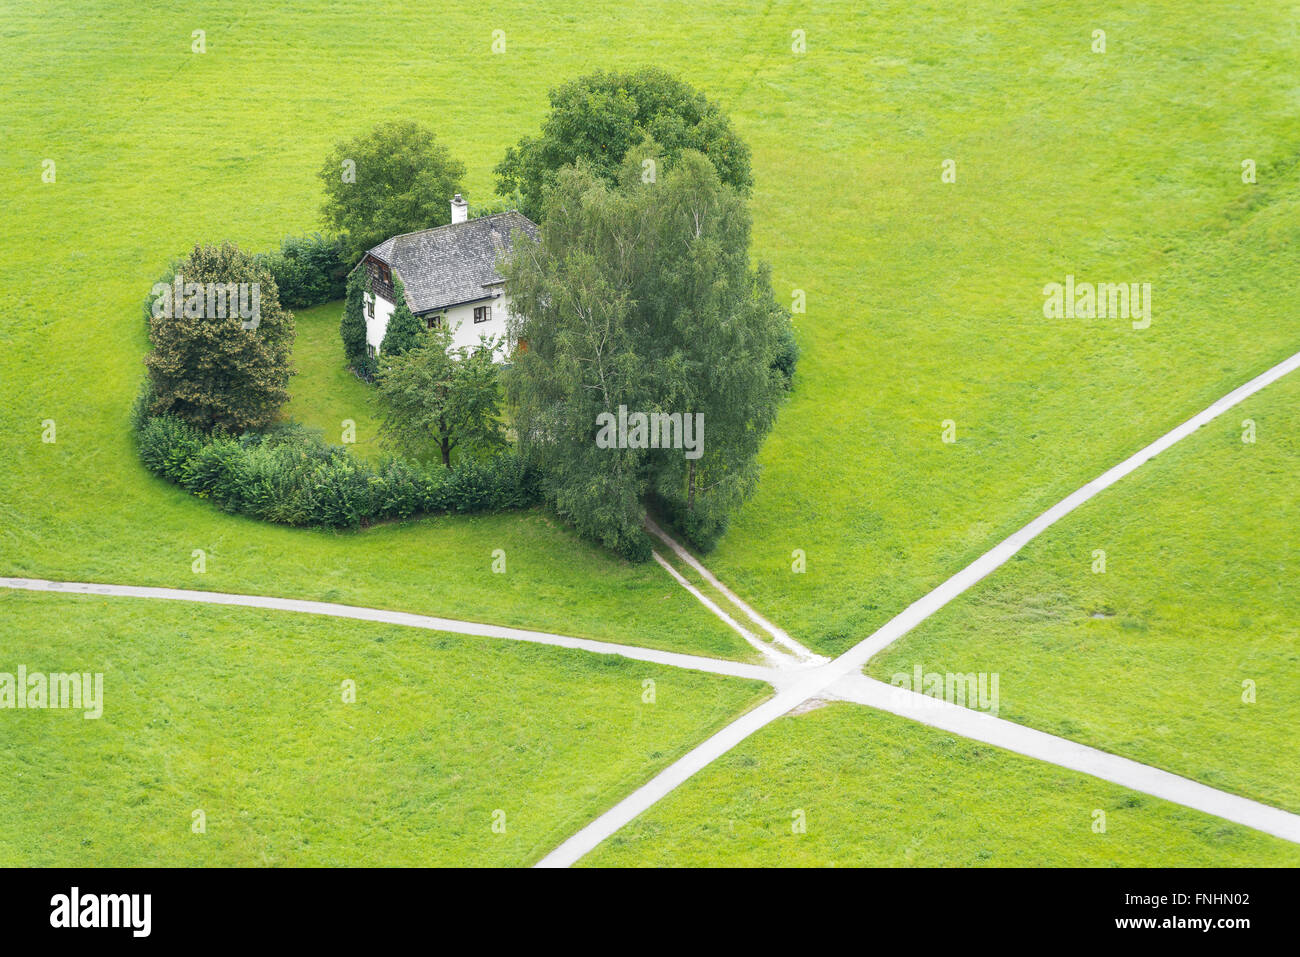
{"x":876,"y":790}
{"x":924,"y":299}
{"x":1148,"y":659}
{"x":239,"y":713}
{"x":326,"y":394}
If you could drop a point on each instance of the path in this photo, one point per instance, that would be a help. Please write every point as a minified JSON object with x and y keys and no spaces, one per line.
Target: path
{"x":819,"y":680}
{"x":717,"y":666}
{"x":1067,"y":754}
{"x":840,"y":678}
{"x":793,"y":687}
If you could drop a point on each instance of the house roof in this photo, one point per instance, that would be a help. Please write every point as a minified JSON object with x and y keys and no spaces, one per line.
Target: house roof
{"x":452,"y":264}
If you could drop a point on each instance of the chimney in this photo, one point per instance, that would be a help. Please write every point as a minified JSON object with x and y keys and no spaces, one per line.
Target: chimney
{"x":459,"y":209}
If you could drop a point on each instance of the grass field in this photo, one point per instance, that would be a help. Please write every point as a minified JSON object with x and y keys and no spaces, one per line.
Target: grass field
{"x":325,"y":392}
{"x":1148,"y":658}
{"x":876,"y":790}
{"x":239,"y":713}
{"x":924,"y":298}
{"x":924,"y":304}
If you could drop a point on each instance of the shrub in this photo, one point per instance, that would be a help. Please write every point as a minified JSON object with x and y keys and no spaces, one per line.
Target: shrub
{"x":352,"y":327}
{"x":338,"y":493}
{"x":216,"y":472}
{"x":400,"y":490}
{"x":308,"y":270}
{"x":786,"y":356}
{"x":140,"y":408}
{"x":291,"y":476}
{"x":404,"y":331}
{"x":167,"y":444}
{"x":213,"y":371}
{"x":403,"y":179}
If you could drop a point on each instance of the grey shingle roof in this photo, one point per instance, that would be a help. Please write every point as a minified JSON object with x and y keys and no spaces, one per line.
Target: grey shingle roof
{"x":452,"y":264}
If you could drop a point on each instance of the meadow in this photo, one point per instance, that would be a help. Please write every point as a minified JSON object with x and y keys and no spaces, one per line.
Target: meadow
{"x":1180,"y":651}
{"x":923,"y":297}
{"x":240,"y":714}
{"x":923,"y":306}
{"x":872,"y":790}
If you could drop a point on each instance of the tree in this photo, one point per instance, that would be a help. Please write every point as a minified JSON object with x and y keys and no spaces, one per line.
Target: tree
{"x":642,"y":296}
{"x":404,"y":331}
{"x":222,"y":344}
{"x":714,"y":335}
{"x":395,"y":179}
{"x":447,"y":400}
{"x":599,"y":117}
{"x":352,"y":328}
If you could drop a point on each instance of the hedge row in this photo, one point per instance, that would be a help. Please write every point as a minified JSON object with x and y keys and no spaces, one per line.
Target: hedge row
{"x":291,"y":477}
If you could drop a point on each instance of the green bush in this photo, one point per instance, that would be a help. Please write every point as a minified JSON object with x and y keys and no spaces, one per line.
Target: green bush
{"x":338,"y":493}
{"x":401,"y":490}
{"x":352,"y":327}
{"x":216,"y":471}
{"x":787,"y":354}
{"x":291,"y":476}
{"x":308,"y":270}
{"x":167,"y":444}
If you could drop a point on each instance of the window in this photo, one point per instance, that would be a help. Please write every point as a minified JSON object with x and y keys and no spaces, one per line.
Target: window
{"x":371,"y":350}
{"x":433,"y":322}
{"x":370,"y":306}
{"x":482,"y":313}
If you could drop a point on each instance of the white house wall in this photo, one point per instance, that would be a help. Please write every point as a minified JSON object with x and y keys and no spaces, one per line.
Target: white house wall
{"x":460,"y":319}
{"x":466,"y":332}
{"x":376,"y":327}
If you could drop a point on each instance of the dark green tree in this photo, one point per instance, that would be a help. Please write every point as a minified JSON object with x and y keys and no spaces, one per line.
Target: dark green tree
{"x":352,"y":328}
{"x":397,"y":178}
{"x":404,"y":331}
{"x":599,"y":117}
{"x":211,"y":364}
{"x":642,"y":296}
{"x":434,"y":398}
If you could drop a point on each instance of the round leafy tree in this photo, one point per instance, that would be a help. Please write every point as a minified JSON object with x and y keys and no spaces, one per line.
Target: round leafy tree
{"x":599,"y":117}
{"x":397,"y":178}
{"x":222,"y":342}
{"x":642,"y":299}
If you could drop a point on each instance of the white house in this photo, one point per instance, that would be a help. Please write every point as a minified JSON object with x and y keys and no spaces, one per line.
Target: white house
{"x":450,"y":277}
